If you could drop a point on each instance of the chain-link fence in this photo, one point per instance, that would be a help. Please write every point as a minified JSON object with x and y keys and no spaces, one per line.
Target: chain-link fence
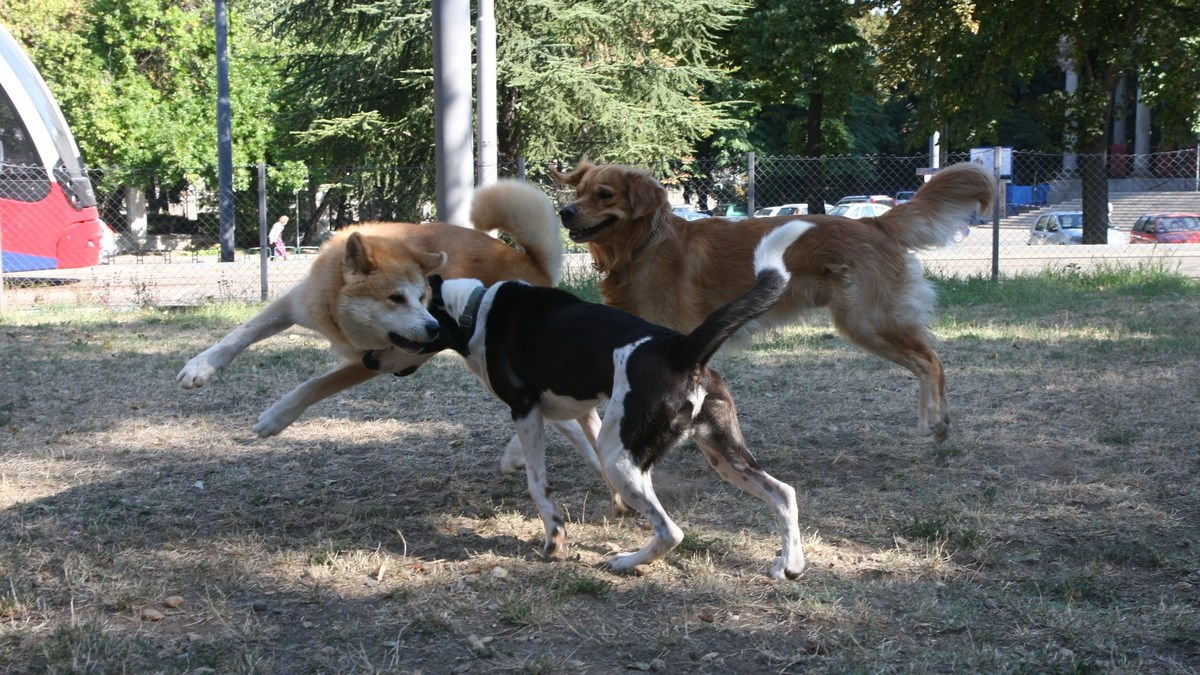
{"x":165,"y":248}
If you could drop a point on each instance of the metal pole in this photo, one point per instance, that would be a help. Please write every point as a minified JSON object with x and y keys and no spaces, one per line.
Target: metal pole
{"x":935,"y":152}
{"x":521,"y":169}
{"x":485,"y":70}
{"x":750,"y":181}
{"x":453,"y":144}
{"x":1,"y":265}
{"x":996,"y":215}
{"x":224,"y":137}
{"x":262,"y":231}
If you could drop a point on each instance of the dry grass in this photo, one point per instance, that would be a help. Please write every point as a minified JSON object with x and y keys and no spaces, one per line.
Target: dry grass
{"x":1057,"y":530}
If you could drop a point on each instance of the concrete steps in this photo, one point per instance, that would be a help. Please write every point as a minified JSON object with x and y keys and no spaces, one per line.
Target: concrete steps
{"x":1127,"y":207}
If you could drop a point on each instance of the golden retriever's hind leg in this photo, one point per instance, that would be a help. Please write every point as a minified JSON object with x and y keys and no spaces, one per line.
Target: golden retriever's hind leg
{"x":907,"y":346}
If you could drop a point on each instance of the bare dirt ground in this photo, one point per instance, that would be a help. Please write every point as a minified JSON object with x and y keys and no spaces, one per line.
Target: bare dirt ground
{"x":145,"y":529}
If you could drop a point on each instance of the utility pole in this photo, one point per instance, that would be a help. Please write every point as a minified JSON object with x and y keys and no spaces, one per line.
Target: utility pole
{"x":486,"y":166}
{"x":224,"y":137}
{"x":452,"y":132}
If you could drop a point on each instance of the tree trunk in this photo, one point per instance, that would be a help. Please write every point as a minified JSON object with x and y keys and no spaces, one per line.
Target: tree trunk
{"x":814,"y":144}
{"x":1093,"y":175}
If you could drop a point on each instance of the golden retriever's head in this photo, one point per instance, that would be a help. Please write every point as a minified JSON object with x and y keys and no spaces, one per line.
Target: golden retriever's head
{"x":384,"y":291}
{"x":614,"y":205}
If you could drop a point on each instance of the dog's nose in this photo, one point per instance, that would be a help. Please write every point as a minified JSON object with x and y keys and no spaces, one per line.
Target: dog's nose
{"x":433,"y":329}
{"x":567,"y":214}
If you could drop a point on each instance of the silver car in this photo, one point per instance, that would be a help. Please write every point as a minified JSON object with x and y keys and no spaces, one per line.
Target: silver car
{"x":1060,"y":227}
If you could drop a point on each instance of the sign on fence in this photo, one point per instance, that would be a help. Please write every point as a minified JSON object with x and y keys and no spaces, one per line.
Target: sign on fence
{"x":987,"y":157}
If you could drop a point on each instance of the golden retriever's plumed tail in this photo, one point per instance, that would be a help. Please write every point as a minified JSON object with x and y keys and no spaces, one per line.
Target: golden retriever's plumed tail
{"x":527,"y":215}
{"x":941,"y":206}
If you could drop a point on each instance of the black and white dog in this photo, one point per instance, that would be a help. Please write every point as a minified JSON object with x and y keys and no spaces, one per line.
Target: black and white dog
{"x":551,"y":356}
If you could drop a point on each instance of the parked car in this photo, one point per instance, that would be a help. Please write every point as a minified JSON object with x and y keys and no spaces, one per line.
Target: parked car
{"x":108,"y":242}
{"x":688,"y":213}
{"x":1061,"y":227}
{"x":867,"y":199}
{"x":904,"y":196}
{"x":1166,"y":228}
{"x":784,"y":210}
{"x":730,"y":211}
{"x":859,"y":210}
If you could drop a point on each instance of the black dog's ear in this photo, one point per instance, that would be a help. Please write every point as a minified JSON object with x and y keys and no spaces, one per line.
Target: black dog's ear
{"x":435,"y":291}
{"x":451,"y":334}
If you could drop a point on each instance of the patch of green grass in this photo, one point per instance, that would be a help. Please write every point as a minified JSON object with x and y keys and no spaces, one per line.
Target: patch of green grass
{"x":585,"y":286}
{"x":929,"y":529}
{"x":1067,"y":286}
{"x":1073,"y":585}
{"x":324,"y":557}
{"x":574,"y":583}
{"x":694,"y":544}
{"x":1117,"y":435}
{"x":428,"y":622}
{"x":943,"y":530}
{"x":519,"y":613}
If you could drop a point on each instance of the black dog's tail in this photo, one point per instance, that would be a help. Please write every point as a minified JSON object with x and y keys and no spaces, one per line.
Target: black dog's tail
{"x":771,"y":279}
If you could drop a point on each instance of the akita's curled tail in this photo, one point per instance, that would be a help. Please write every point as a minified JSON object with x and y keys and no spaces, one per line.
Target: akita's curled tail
{"x":770,"y":281}
{"x":942,"y":206}
{"x":527,"y":215}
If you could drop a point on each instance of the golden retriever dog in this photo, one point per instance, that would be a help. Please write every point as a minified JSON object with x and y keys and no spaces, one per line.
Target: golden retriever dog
{"x":675,"y":272}
{"x":367,"y":292}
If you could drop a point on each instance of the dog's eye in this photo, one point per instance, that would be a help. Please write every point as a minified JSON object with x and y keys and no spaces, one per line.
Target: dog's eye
{"x":604,"y":193}
{"x":397,"y":298}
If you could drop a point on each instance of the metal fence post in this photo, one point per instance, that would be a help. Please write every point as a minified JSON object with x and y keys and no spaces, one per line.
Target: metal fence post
{"x":262,"y":230}
{"x":996,"y":213}
{"x":521,"y":169}
{"x":750,"y":183}
{"x":224,"y":139}
{"x":1,"y":268}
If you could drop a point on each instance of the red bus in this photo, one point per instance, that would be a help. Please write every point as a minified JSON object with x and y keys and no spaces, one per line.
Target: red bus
{"x":48,"y":217}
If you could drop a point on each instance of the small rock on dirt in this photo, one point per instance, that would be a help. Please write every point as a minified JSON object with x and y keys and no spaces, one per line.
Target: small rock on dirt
{"x":150,"y":614}
{"x":173,"y":602}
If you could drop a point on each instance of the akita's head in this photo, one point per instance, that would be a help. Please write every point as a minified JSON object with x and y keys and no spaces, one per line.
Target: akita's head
{"x":384,"y":292}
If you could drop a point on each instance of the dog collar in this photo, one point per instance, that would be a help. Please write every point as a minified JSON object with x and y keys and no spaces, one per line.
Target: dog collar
{"x":655,"y":225}
{"x":649,"y":235}
{"x":466,"y":320}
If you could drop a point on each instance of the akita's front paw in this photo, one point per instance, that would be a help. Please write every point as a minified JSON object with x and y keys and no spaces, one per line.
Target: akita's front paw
{"x":196,"y":373}
{"x":273,"y":421}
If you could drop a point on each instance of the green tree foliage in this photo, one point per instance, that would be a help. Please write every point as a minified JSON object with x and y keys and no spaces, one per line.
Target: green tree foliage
{"x":618,"y":79}
{"x":137,"y":81}
{"x":963,"y":60}
{"x":805,"y":62}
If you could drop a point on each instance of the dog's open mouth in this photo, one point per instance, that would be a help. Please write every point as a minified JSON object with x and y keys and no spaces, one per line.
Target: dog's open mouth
{"x":404,"y":344}
{"x":589,"y":233}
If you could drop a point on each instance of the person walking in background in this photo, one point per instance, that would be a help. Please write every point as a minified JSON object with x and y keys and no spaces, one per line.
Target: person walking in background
{"x":275,"y":238}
